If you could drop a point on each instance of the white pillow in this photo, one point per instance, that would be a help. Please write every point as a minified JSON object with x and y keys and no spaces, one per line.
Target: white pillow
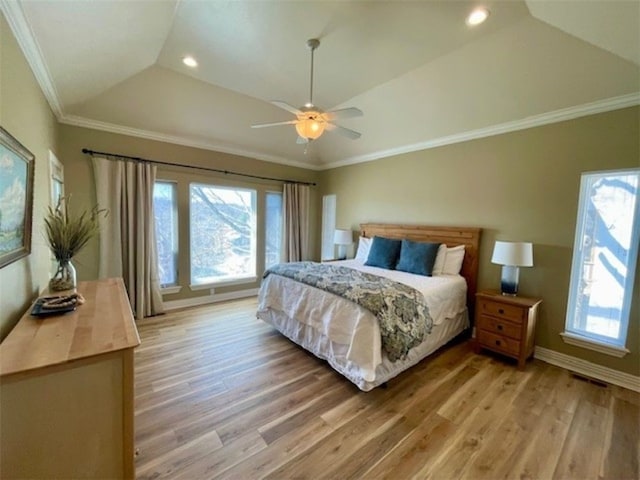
{"x":364,"y":244}
{"x":439,"y":263}
{"x":453,"y":260}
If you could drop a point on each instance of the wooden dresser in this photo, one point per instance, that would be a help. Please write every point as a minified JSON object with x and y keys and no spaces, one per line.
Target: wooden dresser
{"x":66,"y":384}
{"x":506,"y":324}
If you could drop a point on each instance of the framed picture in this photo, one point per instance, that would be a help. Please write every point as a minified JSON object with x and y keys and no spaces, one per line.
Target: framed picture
{"x":16,"y":199}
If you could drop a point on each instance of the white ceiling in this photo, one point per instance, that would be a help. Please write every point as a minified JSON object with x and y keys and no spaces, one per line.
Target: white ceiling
{"x":422,"y":77}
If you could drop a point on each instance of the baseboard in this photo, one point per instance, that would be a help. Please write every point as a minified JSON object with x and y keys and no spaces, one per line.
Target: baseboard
{"x":205,"y":299}
{"x":589,"y":369}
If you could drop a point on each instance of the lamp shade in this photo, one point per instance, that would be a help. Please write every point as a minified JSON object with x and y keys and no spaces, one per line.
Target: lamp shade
{"x":519,"y":254}
{"x":342,"y":237}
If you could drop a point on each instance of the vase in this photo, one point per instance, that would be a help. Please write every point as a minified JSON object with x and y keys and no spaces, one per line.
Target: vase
{"x":64,"y":278}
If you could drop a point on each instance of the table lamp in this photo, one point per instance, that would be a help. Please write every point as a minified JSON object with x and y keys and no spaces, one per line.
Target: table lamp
{"x":511,"y":255}
{"x":342,"y":238}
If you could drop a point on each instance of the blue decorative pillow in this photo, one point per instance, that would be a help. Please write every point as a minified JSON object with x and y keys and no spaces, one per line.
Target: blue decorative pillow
{"x":384,"y":253}
{"x":417,"y":257}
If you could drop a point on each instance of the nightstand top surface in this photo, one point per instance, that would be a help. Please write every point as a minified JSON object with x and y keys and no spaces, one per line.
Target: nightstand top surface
{"x":496,"y":296}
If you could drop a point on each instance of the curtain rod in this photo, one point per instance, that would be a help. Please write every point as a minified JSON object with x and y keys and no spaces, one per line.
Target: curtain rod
{"x":208,"y":169}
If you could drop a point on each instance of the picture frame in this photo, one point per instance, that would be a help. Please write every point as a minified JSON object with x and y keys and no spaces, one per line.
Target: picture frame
{"x":16,"y":199}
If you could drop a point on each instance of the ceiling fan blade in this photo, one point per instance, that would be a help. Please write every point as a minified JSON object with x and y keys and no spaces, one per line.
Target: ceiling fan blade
{"x":345,"y":132}
{"x":286,"y":106}
{"x":262,"y":125}
{"x":312,"y":118}
{"x":350,"y":112}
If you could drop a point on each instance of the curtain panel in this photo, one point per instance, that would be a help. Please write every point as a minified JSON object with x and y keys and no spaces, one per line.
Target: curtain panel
{"x":127,"y":234}
{"x":296,"y":222}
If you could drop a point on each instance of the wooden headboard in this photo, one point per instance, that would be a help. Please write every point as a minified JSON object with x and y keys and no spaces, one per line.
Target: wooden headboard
{"x":452,"y":236}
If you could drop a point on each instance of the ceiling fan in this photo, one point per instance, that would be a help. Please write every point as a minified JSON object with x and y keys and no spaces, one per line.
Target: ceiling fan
{"x":311,"y":121}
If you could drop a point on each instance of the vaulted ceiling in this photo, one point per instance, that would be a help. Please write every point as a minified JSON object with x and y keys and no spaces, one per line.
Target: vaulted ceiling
{"x":421,"y":76}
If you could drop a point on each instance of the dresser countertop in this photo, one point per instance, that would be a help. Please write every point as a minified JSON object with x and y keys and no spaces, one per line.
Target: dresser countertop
{"x":103,"y":324}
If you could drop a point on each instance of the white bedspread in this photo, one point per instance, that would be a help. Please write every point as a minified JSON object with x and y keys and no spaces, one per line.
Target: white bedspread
{"x":345,"y":322}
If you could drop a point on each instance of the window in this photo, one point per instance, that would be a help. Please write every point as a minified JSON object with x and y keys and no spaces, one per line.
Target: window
{"x":604,"y":261}
{"x":328,"y":227}
{"x":223,"y":234}
{"x":56,"y":180}
{"x":166,"y":220}
{"x":273,"y":229}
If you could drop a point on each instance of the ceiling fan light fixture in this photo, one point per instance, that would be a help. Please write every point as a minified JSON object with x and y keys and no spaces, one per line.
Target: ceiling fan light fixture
{"x":310,"y":127}
{"x":311,"y":121}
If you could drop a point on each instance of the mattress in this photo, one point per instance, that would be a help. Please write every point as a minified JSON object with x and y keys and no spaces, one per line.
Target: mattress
{"x":347,"y":335}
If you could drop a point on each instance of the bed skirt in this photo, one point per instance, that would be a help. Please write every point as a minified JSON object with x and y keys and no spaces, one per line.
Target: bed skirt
{"x":336,"y":354}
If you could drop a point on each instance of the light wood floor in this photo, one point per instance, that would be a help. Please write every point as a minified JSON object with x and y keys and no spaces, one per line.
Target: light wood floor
{"x":220,"y":394}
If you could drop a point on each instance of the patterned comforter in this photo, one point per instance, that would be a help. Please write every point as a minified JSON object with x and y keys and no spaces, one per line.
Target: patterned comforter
{"x":401,"y":311}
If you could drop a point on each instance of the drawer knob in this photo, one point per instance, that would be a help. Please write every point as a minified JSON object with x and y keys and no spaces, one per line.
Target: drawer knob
{"x":499,"y":327}
{"x":500,"y":311}
{"x":498,"y":342}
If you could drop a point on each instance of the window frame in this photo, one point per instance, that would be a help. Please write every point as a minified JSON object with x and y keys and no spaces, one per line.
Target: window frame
{"x":583,"y":338}
{"x":328,"y":247}
{"x":175,"y":287}
{"x":266,"y":223}
{"x":227,"y":281}
{"x":56,"y":177}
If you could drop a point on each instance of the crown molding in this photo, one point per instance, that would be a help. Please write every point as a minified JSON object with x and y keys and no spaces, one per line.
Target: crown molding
{"x":26,"y":39}
{"x":555,"y":116}
{"x":24,"y":35}
{"x":78,"y":121}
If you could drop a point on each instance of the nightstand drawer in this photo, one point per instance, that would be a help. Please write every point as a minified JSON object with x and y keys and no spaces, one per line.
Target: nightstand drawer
{"x":500,"y":327}
{"x":498,"y":342}
{"x":506,"y":324}
{"x":502,"y":310}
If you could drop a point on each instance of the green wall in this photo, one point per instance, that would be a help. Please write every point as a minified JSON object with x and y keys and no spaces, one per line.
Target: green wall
{"x":517,"y":186}
{"x":520,"y":186}
{"x":25,"y":114}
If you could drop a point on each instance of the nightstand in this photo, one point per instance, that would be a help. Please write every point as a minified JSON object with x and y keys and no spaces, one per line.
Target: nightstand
{"x":506,"y":324}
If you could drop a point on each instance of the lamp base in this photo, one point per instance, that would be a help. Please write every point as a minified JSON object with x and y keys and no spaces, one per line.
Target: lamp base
{"x":342,"y":252}
{"x":509,"y":280}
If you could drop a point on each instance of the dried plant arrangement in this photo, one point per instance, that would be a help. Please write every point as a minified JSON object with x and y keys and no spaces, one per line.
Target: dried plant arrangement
{"x":66,"y":235}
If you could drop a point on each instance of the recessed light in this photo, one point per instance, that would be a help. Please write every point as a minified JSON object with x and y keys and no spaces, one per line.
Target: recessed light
{"x":189,"y":61}
{"x":478,"y":16}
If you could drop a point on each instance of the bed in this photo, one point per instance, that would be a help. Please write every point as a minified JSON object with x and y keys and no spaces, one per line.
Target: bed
{"x":347,"y":335}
